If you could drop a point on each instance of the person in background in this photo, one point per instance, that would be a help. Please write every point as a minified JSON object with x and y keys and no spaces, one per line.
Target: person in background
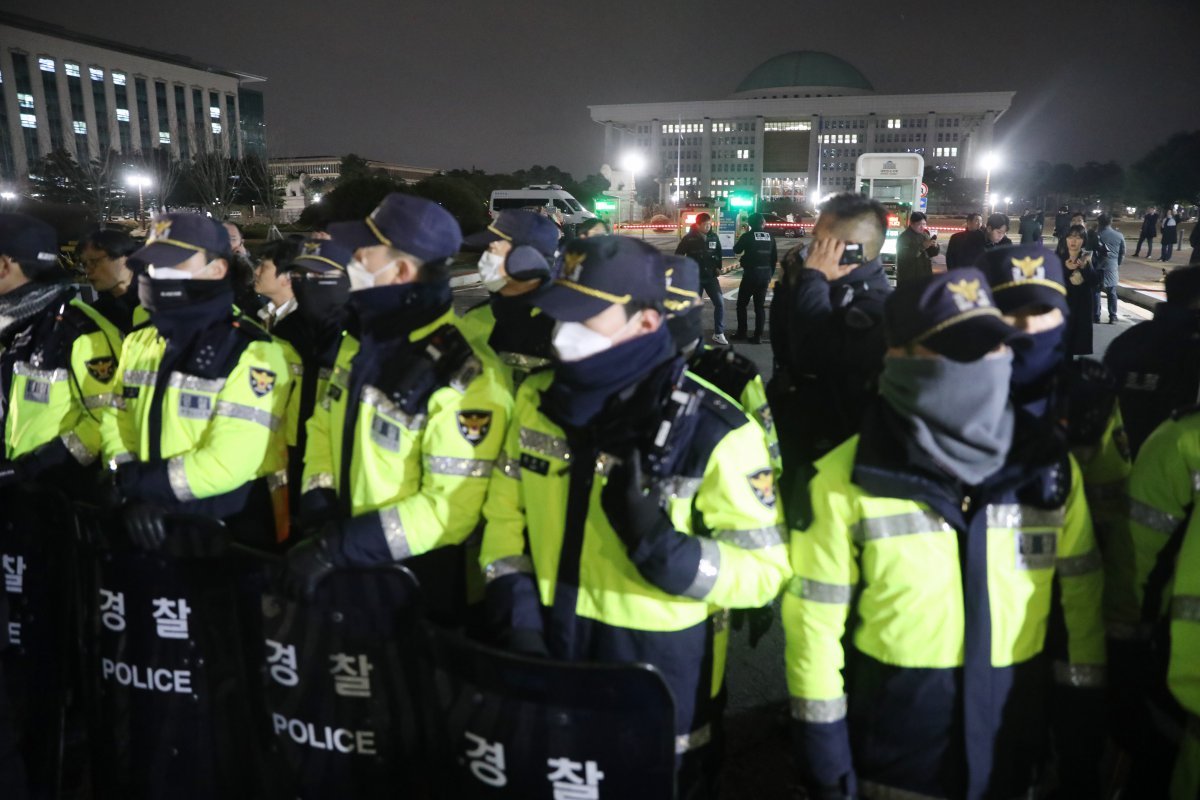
{"x":1062,"y":221}
{"x":1194,"y":241}
{"x":591,"y":227}
{"x":237,"y":244}
{"x":997,"y":231}
{"x":1148,"y":232}
{"x":965,"y":247}
{"x":703,"y":245}
{"x":273,"y":281}
{"x":758,"y":259}
{"x":1112,"y":253}
{"x":915,"y":249}
{"x":1092,"y":244}
{"x":1170,"y":235}
{"x":105,"y":257}
{"x":1031,"y":226}
{"x":1081,"y":282}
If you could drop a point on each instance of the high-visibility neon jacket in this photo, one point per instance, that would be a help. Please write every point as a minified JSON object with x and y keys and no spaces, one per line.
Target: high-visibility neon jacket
{"x":515,"y":353}
{"x":205,"y":420}
{"x":1183,"y":671}
{"x":738,"y":377}
{"x":57,"y":377}
{"x":555,"y":567}
{"x":947,"y":598}
{"x":404,"y":439}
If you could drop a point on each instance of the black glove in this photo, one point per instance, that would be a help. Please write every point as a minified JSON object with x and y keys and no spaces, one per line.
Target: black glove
{"x":146,"y":526}
{"x":635,"y":514}
{"x":11,"y":473}
{"x":310,"y":561}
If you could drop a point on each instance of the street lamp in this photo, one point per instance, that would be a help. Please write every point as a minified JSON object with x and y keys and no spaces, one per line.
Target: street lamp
{"x":141,"y":182}
{"x":632,"y":162}
{"x":8,"y":196}
{"x":989,"y":163}
{"x":1007,"y":203}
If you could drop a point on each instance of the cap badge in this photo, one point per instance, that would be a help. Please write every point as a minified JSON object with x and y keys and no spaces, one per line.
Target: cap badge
{"x":574,"y":265}
{"x":1028,"y":268}
{"x":162,"y":230}
{"x":312,"y":248}
{"x":968,"y":295}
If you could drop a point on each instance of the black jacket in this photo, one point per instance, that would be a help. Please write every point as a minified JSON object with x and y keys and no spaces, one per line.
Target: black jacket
{"x":757,"y":249}
{"x":1150,"y":225}
{"x":912,"y":260}
{"x":704,"y":249}
{"x":965,"y":248}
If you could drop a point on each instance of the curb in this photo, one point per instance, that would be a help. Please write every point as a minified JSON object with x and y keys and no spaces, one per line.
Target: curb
{"x":1139,"y":297}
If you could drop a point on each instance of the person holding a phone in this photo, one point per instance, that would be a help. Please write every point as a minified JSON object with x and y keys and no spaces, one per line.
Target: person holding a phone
{"x":915,"y":249}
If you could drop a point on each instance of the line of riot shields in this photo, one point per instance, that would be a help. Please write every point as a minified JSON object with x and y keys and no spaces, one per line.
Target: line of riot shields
{"x":187,"y":674}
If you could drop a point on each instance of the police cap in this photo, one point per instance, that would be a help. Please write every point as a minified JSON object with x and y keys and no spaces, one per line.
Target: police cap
{"x":403,"y":222}
{"x":176,"y":237}
{"x":683,"y":285}
{"x":322,"y":255}
{"x":1024,"y":275}
{"x":30,"y":242}
{"x":518,"y":227}
{"x":601,"y":271}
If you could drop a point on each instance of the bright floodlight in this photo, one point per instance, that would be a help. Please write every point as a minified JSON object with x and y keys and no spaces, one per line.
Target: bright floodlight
{"x":990,"y":161}
{"x":633,"y":162}
{"x":8,"y":195}
{"x":138,"y":180}
{"x":1007,"y":200}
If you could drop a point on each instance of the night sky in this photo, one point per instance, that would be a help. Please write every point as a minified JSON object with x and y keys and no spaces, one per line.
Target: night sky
{"x":505,"y":84}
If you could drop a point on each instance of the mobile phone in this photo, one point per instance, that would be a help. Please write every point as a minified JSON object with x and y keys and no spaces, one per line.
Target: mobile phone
{"x":853,"y":254}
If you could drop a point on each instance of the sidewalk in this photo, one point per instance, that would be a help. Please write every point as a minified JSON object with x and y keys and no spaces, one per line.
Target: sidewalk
{"x":1141,"y":279}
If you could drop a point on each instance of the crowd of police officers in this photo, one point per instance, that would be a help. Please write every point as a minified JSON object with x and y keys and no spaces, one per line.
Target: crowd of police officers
{"x":983,"y":594}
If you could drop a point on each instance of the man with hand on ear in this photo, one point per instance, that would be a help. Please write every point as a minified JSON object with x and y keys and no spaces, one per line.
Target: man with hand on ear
{"x":507,"y":330}
{"x":401,"y":445}
{"x":631,"y":504}
{"x":200,"y":396}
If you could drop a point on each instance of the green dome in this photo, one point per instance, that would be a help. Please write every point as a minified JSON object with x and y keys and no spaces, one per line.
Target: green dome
{"x":804,"y":68}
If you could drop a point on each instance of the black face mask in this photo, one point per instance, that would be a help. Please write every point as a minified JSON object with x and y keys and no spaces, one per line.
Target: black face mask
{"x":184,"y":305}
{"x":686,"y":330}
{"x":321,"y":298}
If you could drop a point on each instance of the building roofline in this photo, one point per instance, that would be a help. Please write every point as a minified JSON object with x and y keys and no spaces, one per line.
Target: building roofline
{"x":997,"y":102}
{"x":48,"y":29}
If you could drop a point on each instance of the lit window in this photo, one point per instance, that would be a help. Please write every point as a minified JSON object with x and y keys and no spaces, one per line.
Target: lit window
{"x":80,"y":127}
{"x":164,"y":137}
{"x":893,"y":123}
{"x":28,"y":121}
{"x":1,"y":77}
{"x":46,"y":64}
{"x":216,"y":127}
{"x":24,"y":100}
{"x":214,"y":112}
{"x":122,"y":115}
{"x":72,"y":70}
{"x":96,"y":74}
{"x":118,"y":78}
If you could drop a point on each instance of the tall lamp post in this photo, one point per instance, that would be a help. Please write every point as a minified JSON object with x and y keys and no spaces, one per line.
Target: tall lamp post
{"x":989,"y":163}
{"x":141,"y":182}
{"x":632,"y":162}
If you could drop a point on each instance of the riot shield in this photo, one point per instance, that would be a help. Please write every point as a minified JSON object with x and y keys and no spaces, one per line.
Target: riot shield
{"x":39,"y":565}
{"x":338,"y":677}
{"x":507,"y":726}
{"x":174,"y":714}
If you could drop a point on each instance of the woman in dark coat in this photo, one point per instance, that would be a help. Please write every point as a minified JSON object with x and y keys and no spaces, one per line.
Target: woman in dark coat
{"x":1170,"y":234}
{"x":1082,"y":279}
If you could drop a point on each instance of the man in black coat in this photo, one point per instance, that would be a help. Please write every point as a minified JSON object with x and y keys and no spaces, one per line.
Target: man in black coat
{"x":966,"y":246}
{"x":1149,"y":231}
{"x":758,"y":257}
{"x":703,"y":245}
{"x":997,"y":232}
{"x":1062,"y":222}
{"x":915,"y":249}
{"x":827,"y":335}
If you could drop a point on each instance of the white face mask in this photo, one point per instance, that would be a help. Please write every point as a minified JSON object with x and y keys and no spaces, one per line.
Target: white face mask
{"x":491,"y":271}
{"x":363,"y":278}
{"x":169,"y":274}
{"x":574,"y":341}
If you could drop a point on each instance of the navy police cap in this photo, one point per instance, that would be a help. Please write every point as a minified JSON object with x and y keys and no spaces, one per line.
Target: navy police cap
{"x":174,"y":238}
{"x":322,"y":255}
{"x":519,"y":227}
{"x":683,"y":285}
{"x":28,"y":241}
{"x":1024,"y":275}
{"x":951,"y":313}
{"x":601,"y":271}
{"x":403,"y":222}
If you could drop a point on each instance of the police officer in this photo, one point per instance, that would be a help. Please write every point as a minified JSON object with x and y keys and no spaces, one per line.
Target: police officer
{"x":105,"y":257}
{"x":945,"y":526}
{"x":702,"y":244}
{"x":1156,"y":363}
{"x":200,"y":399}
{"x":402,"y":443}
{"x":630,"y":504}
{"x":722,"y":370}
{"x":507,"y":332}
{"x":758,"y":259}
{"x":1183,"y":668}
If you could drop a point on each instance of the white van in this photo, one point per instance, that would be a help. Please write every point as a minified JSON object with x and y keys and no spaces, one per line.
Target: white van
{"x":532,"y":197}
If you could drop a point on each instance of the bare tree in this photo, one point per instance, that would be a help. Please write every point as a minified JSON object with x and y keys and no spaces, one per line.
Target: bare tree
{"x":93,"y":183}
{"x":164,"y":171}
{"x":258,"y":185}
{"x":213,"y":177}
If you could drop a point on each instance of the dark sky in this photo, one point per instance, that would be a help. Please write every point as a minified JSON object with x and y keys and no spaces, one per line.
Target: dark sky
{"x":504,"y":84}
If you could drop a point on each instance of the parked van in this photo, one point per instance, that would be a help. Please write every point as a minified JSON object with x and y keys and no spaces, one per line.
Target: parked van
{"x":536,"y":197}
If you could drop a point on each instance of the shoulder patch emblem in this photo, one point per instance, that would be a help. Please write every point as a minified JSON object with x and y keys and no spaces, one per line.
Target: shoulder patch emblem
{"x":102,"y":368}
{"x":762,"y":483}
{"x":474,"y":425}
{"x":262,"y":381}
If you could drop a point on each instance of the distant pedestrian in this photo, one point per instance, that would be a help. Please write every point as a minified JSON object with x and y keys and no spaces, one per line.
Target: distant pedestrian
{"x":758,"y":259}
{"x":1031,"y":226}
{"x":703,"y":245}
{"x":1149,"y":231}
{"x":1194,"y":241}
{"x":1170,"y":235}
{"x":1110,"y":255}
{"x":1062,"y":222}
{"x":1081,"y":280}
{"x":591,"y":227}
{"x":997,"y":232}
{"x":915,"y":249}
{"x":968,"y":244}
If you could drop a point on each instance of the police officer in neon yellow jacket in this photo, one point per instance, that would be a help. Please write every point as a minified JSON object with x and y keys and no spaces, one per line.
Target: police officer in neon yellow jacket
{"x":936,"y":537}
{"x":196,"y":424}
{"x":631,"y":505}
{"x":401,"y":446}
{"x":58,"y":357}
{"x":506,"y":330}
{"x":1183,"y":670}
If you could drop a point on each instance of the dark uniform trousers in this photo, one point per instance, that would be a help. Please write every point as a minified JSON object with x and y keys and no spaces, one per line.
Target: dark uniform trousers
{"x":755,"y":281}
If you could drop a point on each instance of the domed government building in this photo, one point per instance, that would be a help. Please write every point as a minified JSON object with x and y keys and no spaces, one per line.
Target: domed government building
{"x":794,"y":128}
